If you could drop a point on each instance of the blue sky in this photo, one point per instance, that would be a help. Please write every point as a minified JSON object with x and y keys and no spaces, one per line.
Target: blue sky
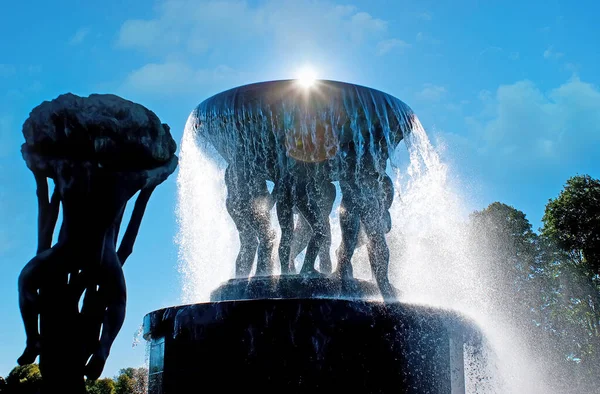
{"x":508,"y":90}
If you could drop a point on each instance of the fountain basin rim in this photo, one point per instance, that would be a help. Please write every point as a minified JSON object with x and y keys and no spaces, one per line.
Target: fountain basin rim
{"x":315,"y":86}
{"x":160,"y":322}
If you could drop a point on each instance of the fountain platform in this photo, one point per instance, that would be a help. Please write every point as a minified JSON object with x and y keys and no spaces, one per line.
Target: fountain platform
{"x":305,"y":344}
{"x":295,"y":286}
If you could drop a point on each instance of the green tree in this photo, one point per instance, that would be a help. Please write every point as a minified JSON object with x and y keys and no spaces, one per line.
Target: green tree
{"x":505,"y":243}
{"x":100,"y":386}
{"x":132,"y":381}
{"x":572,"y":220}
{"x":572,"y":226}
{"x":24,"y":379}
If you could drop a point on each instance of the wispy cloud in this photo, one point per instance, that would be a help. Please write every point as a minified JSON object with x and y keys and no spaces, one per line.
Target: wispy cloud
{"x":514,"y":56}
{"x":431,"y":92}
{"x":7,"y":70}
{"x":490,"y":49}
{"x":176,"y":78}
{"x":387,"y":46}
{"x":557,"y":125}
{"x":425,"y":16}
{"x":186,"y":24}
{"x":427,"y":39}
{"x":550,"y":53}
{"x":6,"y":132}
{"x":183,"y":32}
{"x":79,"y":36}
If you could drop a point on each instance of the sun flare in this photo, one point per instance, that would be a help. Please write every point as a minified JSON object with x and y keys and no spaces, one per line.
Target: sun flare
{"x":306,"y":76}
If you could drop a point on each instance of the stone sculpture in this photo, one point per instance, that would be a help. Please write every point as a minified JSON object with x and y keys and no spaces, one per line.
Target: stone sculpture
{"x":100,"y":151}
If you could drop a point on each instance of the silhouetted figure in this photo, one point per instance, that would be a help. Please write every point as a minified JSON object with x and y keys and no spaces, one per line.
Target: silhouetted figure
{"x":99,"y":151}
{"x":304,"y":187}
{"x":365,"y":194}
{"x":388,"y":193}
{"x":303,"y":231}
{"x":249,"y":204}
{"x":93,"y":201}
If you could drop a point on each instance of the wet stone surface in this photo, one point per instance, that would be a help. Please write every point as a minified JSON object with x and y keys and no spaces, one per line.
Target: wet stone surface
{"x":304,"y":345}
{"x":295,"y":286}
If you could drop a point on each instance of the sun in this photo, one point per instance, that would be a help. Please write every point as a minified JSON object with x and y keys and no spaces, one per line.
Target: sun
{"x":306,"y":76}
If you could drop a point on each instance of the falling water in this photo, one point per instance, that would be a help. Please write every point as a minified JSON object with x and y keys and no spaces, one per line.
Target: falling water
{"x":207,"y":236}
{"x":434,"y":262}
{"x":432,"y":259}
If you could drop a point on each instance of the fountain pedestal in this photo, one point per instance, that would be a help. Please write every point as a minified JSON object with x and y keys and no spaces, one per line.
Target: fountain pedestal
{"x":305,"y":345}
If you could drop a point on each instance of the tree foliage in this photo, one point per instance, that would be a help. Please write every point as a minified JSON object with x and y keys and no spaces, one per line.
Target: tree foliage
{"x":132,"y":381}
{"x":546,"y":282}
{"x":572,"y":220}
{"x":27,"y":380}
{"x":24,"y":379}
{"x":101,"y":386}
{"x":503,"y":239}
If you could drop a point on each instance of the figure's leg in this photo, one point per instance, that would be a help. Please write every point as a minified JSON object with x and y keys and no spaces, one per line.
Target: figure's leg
{"x":301,"y":238}
{"x":285,"y":216}
{"x":247,"y":237}
{"x":113,"y":293}
{"x":308,"y":206}
{"x":30,"y":281}
{"x":373,"y":218}
{"x":245,"y":257}
{"x":388,"y":199}
{"x":349,"y":225}
{"x":266,"y":238}
{"x":328,"y":198}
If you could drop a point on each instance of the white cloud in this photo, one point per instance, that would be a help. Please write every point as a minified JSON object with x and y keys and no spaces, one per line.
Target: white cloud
{"x":197,"y":26}
{"x":485,"y":95}
{"x":367,"y":22}
{"x":527,"y":123}
{"x":185,"y":33}
{"x":550,"y":53}
{"x":427,"y":39}
{"x":79,"y":36}
{"x":514,"y":56}
{"x":490,"y":49}
{"x":176,"y":77}
{"x":426,"y":16}
{"x":386,"y":46}
{"x":139,"y":34}
{"x":432,"y":92}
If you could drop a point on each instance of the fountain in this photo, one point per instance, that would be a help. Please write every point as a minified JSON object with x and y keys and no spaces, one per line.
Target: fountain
{"x":273,"y":329}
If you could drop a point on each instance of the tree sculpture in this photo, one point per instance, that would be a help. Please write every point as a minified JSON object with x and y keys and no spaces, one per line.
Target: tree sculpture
{"x":99,"y":151}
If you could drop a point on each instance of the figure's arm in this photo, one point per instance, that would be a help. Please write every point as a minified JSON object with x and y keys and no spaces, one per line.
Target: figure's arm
{"x":148,"y":181}
{"x":126,"y":246}
{"x":117,"y":225}
{"x":43,"y":205}
{"x":47,"y":213}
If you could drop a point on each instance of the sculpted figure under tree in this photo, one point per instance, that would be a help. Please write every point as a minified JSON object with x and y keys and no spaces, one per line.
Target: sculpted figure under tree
{"x":99,"y":151}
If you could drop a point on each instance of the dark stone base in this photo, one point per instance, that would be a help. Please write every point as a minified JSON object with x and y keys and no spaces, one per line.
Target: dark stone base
{"x":305,"y":346}
{"x":295,"y":286}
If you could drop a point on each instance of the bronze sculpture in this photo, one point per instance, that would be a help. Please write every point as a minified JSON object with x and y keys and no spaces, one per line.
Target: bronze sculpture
{"x":303,"y":139}
{"x":99,"y":151}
